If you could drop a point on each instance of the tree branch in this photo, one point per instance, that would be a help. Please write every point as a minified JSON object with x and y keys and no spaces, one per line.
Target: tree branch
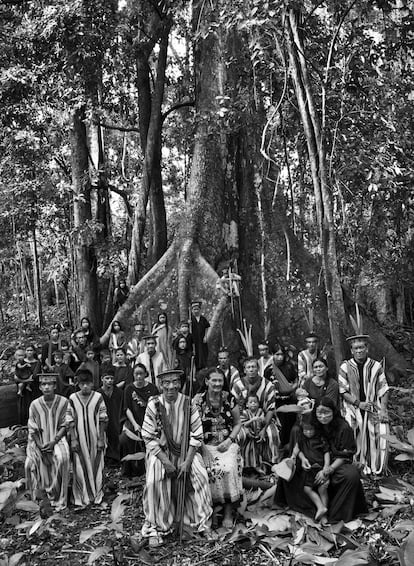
{"x":177,"y":107}
{"x":117,"y":127}
{"x":124,"y":196}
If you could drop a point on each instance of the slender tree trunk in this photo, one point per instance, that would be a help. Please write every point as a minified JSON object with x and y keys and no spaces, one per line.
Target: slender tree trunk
{"x":152,"y":142}
{"x":36,"y":280}
{"x":323,"y":198}
{"x":84,"y":238}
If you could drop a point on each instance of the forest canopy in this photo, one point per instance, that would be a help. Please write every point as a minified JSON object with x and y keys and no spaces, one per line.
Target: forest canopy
{"x":166,"y":141}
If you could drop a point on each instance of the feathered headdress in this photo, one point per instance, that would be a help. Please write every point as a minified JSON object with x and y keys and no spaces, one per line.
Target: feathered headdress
{"x":309,"y":317}
{"x":357,"y":324}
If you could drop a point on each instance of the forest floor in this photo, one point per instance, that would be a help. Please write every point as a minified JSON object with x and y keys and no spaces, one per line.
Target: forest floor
{"x":109,"y":534}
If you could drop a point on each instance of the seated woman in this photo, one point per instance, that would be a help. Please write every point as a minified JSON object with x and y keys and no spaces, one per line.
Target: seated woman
{"x":321,"y":384}
{"x":282,"y":373}
{"x":136,"y":398}
{"x":345,"y":492}
{"x":221,"y":424}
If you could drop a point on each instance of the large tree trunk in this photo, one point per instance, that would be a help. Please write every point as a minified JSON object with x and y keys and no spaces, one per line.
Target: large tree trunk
{"x":87,"y":284}
{"x":315,"y":134}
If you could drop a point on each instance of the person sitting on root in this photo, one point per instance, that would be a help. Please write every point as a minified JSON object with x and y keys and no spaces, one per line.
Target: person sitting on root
{"x":167,"y":464}
{"x":313,"y":452}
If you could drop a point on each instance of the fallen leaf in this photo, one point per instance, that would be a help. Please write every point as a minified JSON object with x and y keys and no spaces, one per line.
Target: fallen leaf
{"x":27,"y":505}
{"x":409,"y":550}
{"x":15,"y":558}
{"x":353,"y":558}
{"x":353,"y":525}
{"x":118,"y":507}
{"x":88,"y":533}
{"x":137,"y":456}
{"x":98,"y":552}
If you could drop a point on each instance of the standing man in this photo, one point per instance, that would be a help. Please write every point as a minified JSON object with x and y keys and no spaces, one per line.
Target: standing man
{"x":199,"y":325}
{"x":136,"y":345}
{"x":47,"y":460}
{"x":163,"y":432}
{"x":265,"y":359}
{"x":307,"y":357}
{"x":154,"y":361}
{"x":86,"y":420}
{"x":364,"y":390}
{"x":252,"y":383}
{"x":230,"y":372}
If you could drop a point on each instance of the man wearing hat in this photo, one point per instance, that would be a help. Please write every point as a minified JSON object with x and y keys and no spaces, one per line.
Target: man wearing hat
{"x":154,"y":361}
{"x":47,"y":455}
{"x":199,"y":326}
{"x":364,"y":390}
{"x":167,"y":463}
{"x":307,"y":357}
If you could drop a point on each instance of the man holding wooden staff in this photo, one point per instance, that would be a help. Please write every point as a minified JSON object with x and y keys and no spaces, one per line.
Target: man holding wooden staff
{"x":176,"y":488}
{"x":364,"y":390}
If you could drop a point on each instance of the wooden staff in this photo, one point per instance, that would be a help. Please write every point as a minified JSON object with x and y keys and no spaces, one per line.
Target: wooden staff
{"x":182,"y":480}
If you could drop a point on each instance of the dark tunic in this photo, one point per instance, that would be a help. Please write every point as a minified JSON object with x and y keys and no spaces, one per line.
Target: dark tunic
{"x":198,"y":331}
{"x":124,"y":373}
{"x":329,"y":389}
{"x":64,"y":381}
{"x":113,"y":404}
{"x":346,"y":494}
{"x":135,"y":399}
{"x":314,"y":449}
{"x":23,"y":373}
{"x":47,"y":350}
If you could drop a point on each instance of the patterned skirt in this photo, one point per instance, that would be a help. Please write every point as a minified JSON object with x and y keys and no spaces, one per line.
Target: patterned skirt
{"x":225,"y":473}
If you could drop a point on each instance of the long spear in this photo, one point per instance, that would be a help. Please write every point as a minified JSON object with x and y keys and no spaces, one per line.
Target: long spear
{"x":182,"y":481}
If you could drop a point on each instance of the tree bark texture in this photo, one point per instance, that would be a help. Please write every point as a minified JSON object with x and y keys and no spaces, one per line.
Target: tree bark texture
{"x":83,"y":238}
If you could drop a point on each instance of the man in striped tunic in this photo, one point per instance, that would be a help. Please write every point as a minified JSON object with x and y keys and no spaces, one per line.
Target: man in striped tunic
{"x":307,"y":357}
{"x":47,"y":460}
{"x":163,"y":432}
{"x":87,"y":419}
{"x":364,"y":390}
{"x":252,"y":383}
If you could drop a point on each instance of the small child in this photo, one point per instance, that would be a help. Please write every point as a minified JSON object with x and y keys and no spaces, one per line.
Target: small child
{"x":252,"y":419}
{"x":92,"y":365}
{"x":65,"y":384}
{"x":22,"y":372}
{"x":313,"y":452}
{"x":304,"y":401}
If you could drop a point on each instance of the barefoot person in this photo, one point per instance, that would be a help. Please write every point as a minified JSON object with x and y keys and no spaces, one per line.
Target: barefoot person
{"x":313,"y":452}
{"x":364,"y":390}
{"x":47,"y":460}
{"x":86,"y":419}
{"x":162,"y":432}
{"x":220,"y":418}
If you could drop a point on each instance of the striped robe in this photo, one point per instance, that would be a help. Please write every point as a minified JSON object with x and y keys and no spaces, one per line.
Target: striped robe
{"x":372,"y":449}
{"x":88,"y":463}
{"x":251,"y":451}
{"x":305,"y":365}
{"x":160,"y":491}
{"x":48,"y":471}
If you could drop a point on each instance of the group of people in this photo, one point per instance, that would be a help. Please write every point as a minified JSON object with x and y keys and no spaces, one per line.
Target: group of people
{"x":201,"y":436}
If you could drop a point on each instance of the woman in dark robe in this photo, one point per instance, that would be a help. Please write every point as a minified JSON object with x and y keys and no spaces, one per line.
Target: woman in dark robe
{"x":51,"y":346}
{"x":136,"y":398}
{"x":36,"y":367}
{"x":113,"y":398}
{"x":321,"y":384}
{"x":283,"y":375}
{"x":345,"y":491}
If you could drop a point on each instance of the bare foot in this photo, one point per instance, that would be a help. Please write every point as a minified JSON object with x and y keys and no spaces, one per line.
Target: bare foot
{"x":320,"y":513}
{"x":324,"y":520}
{"x":228,"y":522}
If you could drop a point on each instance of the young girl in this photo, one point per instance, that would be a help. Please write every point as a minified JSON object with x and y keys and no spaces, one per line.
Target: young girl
{"x":123,"y":371}
{"x":65,"y":383}
{"x":313,"y":452}
{"x":252,"y":419}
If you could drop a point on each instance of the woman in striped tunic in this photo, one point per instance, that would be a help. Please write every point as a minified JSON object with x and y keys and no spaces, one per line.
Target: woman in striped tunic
{"x":47,"y":460}
{"x":87,"y":419}
{"x":163,"y":434}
